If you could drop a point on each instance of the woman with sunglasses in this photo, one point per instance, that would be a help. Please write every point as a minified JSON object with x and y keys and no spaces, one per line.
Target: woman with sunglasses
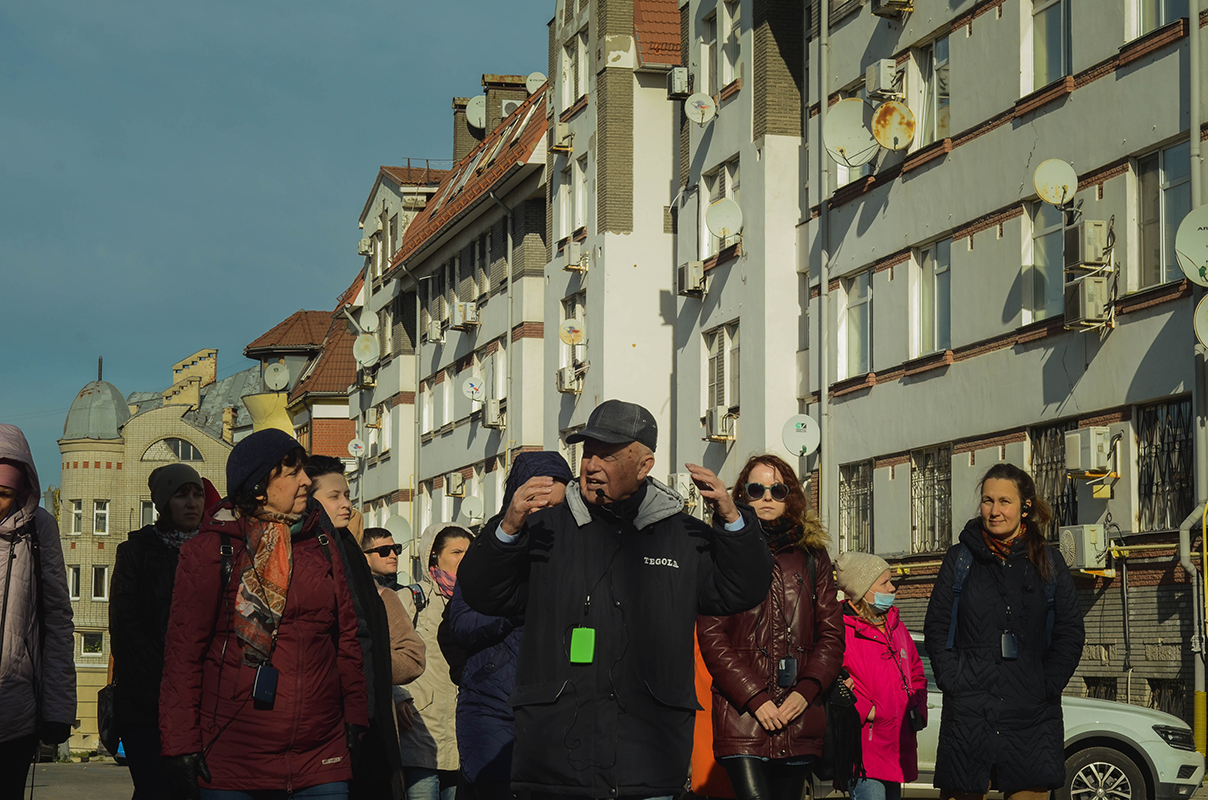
{"x":771,"y":664}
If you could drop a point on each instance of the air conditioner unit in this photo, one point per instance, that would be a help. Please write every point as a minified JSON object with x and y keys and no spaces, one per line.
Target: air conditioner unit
{"x":365,"y":247}
{"x":509,"y":107}
{"x":892,"y":8}
{"x":568,"y":381}
{"x":1083,"y":546}
{"x":436,"y":334}
{"x":878,"y":78}
{"x":1086,"y":244}
{"x":492,"y":414}
{"x":690,"y":279}
{"x":1086,"y":301}
{"x":1088,"y":450}
{"x":455,"y":484}
{"x":578,"y":355}
{"x":683,"y":485}
{"x":719,"y":425}
{"x":677,"y":83}
{"x":366,"y":378}
{"x":464,"y":317}
{"x":569,"y":256}
{"x":561,"y":139}
{"x":372,"y":420}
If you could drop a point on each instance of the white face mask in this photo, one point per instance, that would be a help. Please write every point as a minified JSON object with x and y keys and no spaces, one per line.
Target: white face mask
{"x":883,"y":601}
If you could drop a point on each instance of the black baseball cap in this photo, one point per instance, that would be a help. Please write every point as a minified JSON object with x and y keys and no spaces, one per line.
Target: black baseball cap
{"x":618,"y":422}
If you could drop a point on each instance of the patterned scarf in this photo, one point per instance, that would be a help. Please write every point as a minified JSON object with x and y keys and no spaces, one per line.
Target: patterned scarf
{"x":265,"y":567}
{"x":174,"y":539}
{"x":780,"y":533}
{"x":444,"y":581}
{"x":1001,"y":548}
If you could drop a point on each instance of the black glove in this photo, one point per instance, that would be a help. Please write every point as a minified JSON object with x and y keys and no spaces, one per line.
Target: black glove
{"x":353,"y":735}
{"x":183,"y":772}
{"x":54,"y":732}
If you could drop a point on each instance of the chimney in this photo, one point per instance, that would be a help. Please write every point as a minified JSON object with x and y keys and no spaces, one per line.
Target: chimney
{"x":498,"y":88}
{"x":465,"y":138}
{"x":228,"y":424}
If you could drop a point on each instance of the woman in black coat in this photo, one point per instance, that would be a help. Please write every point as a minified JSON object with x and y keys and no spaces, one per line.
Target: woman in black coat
{"x":1016,"y":642}
{"x":139,"y":601}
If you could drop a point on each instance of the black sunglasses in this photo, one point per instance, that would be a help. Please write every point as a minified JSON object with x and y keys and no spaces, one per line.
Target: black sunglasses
{"x":755,"y":491}
{"x":385,"y":550}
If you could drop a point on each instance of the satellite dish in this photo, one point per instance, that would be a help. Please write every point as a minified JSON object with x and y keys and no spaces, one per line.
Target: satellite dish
{"x":571,"y":331}
{"x":1200,"y":320}
{"x":476,"y":112}
{"x":369,"y":321}
{"x":475,"y":388}
{"x":1191,"y":248}
{"x":724,"y":218}
{"x":801,"y":435}
{"x":848,"y":133}
{"x":399,"y":528}
{"x":893,"y":125}
{"x":365,"y":350}
{"x":471,"y":510}
{"x":534,"y":82}
{"x":276,"y":376}
{"x":356,"y":448}
{"x":700,"y":108}
{"x":1055,"y":182}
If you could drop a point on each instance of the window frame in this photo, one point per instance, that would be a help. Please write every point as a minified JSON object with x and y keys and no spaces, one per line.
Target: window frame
{"x":100,"y":514}
{"x":929,"y":99}
{"x":84,"y":651}
{"x":723,"y":181}
{"x":74,"y":577}
{"x":1065,"y":36}
{"x":729,"y":62}
{"x":931,"y":499}
{"x":103,"y":569}
{"x":931,"y":278}
{"x":566,"y":196}
{"x":721,"y":350}
{"x":1168,"y":269}
{"x":1167,"y":11}
{"x":77,"y":516}
{"x":1165,"y":434}
{"x":709,"y":56}
{"x":856,"y":506}
{"x":573,"y":306}
{"x":845,"y":363}
{"x":1041,"y":276}
{"x":580,"y":194}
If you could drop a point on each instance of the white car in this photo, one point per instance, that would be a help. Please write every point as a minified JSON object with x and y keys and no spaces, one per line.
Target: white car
{"x":1113,"y":751}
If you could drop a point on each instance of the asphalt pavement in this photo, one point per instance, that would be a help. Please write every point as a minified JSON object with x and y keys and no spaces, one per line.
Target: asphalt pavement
{"x":102,"y":780}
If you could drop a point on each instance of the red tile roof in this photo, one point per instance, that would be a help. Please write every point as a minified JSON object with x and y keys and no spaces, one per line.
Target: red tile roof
{"x":300,"y":330}
{"x":656,"y":26}
{"x":334,"y":370}
{"x":510,"y":144}
{"x":415,"y":176}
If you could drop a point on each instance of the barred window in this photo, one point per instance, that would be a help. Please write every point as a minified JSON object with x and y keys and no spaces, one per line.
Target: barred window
{"x":931,"y":499}
{"x":1166,"y":694}
{"x":1165,"y":465}
{"x":1100,"y":688}
{"x":855,"y":507}
{"x":1052,"y":482}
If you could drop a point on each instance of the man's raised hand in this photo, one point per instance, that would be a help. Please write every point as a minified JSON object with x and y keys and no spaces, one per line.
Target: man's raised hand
{"x":533,"y":495}
{"x":713,"y":492}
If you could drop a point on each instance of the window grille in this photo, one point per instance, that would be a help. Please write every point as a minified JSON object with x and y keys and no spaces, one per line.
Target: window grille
{"x":931,"y":499}
{"x":1166,"y":694}
{"x":1052,"y":482}
{"x":1165,"y":465}
{"x":855,"y":507}
{"x":1101,"y":688}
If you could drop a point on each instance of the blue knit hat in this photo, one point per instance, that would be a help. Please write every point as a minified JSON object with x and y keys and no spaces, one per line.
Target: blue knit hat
{"x":529,"y":465}
{"x":255,"y":457}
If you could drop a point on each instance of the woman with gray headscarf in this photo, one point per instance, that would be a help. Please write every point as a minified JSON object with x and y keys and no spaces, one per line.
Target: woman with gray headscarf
{"x":140,"y":598}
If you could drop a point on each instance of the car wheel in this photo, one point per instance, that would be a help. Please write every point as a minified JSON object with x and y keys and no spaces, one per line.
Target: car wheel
{"x":1101,"y":773}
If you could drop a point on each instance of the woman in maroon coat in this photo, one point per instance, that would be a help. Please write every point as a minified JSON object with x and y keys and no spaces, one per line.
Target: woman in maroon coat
{"x":262,"y":687}
{"x":771,"y":664}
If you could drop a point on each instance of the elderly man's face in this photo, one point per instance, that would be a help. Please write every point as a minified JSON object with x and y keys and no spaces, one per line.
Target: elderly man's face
{"x":612,"y":472}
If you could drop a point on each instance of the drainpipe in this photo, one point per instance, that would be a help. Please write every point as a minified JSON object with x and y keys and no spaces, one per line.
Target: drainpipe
{"x":827,"y":465}
{"x":1193,"y":83}
{"x":1197,"y":633}
{"x":507,"y":341}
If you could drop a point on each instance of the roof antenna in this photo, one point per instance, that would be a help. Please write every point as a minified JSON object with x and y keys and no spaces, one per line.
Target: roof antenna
{"x":100,"y":362}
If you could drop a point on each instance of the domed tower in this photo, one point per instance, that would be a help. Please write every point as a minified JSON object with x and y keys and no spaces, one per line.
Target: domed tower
{"x":93,"y":456}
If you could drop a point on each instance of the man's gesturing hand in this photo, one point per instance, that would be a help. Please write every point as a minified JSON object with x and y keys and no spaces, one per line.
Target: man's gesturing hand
{"x":714,"y":493}
{"x":534,"y":494}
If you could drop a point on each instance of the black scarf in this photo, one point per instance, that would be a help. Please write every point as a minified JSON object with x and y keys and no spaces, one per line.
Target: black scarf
{"x":388,"y":581}
{"x":780,"y":533}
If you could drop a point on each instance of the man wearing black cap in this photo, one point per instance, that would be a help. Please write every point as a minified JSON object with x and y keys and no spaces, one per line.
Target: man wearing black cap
{"x":610,"y":584}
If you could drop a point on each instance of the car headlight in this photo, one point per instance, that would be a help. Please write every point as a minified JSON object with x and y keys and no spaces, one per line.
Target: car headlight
{"x":1179,"y":738}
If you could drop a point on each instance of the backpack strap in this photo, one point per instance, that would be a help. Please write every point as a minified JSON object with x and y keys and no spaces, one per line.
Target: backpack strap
{"x":227,"y":552}
{"x":323,"y":542}
{"x":1050,"y":598}
{"x":964,"y":560}
{"x":420,"y":601}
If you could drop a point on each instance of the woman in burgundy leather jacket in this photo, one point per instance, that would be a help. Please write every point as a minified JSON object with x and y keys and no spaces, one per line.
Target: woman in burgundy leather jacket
{"x":771,"y":664}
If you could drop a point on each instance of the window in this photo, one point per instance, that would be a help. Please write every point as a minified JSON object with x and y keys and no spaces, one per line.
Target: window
{"x":722,"y":367}
{"x":574,"y":69}
{"x":708,"y":54}
{"x":92,"y":644}
{"x":567,"y":211}
{"x":1156,"y":13}
{"x":731,"y":46}
{"x":1166,"y":694}
{"x":481,"y":274}
{"x":933,"y":67}
{"x":100,"y":516}
{"x":100,"y":582}
{"x":1165,"y":464}
{"x":574,"y":307}
{"x":932,"y":297}
{"x":183,"y":450}
{"x":855,"y":507}
{"x":573,"y":453}
{"x":392,"y":239}
{"x":1164,"y":179}
{"x":581,"y":193}
{"x":467,"y":288}
{"x":425,"y":407}
{"x":147,"y":517}
{"x":1100,"y":688}
{"x":1048,"y":263}
{"x":855,"y":322}
{"x":1050,"y":41}
{"x":73,"y":582}
{"x":722,"y":182}
{"x":931,"y":499}
{"x":77,"y":516}
{"x":1052,"y":481}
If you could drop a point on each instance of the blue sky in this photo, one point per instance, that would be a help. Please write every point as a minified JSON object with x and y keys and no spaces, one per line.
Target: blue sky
{"x":186,"y":175}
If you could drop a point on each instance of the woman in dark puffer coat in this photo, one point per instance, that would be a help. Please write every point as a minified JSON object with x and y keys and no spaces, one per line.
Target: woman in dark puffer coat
{"x":767,"y":731}
{"x":1002,"y":679}
{"x":485,"y":723}
{"x":140,"y":598}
